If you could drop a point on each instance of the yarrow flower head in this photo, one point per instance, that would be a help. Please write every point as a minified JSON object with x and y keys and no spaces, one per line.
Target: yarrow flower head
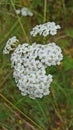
{"x":24,"y":12}
{"x":29,"y":63}
{"x":45,"y":29}
{"x":10,"y":45}
{"x":50,"y":54}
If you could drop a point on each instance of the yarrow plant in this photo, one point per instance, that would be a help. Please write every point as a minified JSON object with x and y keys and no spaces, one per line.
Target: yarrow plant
{"x":30,"y":62}
{"x":24,"y":12}
{"x":45,"y":29}
{"x":10,"y":45}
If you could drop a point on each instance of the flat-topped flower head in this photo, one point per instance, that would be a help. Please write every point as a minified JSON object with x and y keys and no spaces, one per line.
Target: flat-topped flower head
{"x":29,"y":63}
{"x":50,"y":54}
{"x":10,"y":45}
{"x":45,"y":29}
{"x":24,"y":12}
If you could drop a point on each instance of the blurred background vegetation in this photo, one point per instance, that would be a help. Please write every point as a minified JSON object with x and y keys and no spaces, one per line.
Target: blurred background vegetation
{"x":53,"y":112}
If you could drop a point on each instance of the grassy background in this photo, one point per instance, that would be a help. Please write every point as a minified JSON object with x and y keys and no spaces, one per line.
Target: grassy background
{"x":53,"y":112}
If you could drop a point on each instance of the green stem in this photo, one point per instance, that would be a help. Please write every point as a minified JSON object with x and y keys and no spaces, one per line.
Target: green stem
{"x":45,"y":6}
{"x":64,"y":7}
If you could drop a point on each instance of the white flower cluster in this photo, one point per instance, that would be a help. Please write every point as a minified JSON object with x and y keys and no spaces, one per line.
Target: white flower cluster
{"x":10,"y":45}
{"x":45,"y":29}
{"x":24,"y":12}
{"x":29,"y":63}
{"x":50,"y":54}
